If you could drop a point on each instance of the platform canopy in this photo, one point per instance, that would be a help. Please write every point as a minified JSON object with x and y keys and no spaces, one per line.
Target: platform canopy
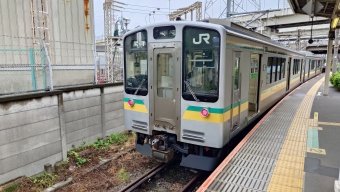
{"x":318,"y":8}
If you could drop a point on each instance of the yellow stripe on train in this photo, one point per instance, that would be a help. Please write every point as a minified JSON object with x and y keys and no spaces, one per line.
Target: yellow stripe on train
{"x":213,"y":117}
{"x":136,"y":107}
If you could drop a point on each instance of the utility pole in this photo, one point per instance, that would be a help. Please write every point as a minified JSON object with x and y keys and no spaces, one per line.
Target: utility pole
{"x":110,"y":40}
{"x":335,"y":55}
{"x":228,"y":9}
{"x":298,"y":46}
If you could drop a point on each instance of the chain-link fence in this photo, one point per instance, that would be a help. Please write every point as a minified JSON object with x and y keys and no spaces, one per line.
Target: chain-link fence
{"x":29,"y":67}
{"x":109,"y":73}
{"x":23,"y":70}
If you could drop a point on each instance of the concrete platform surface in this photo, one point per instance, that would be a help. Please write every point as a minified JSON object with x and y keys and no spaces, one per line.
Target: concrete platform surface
{"x":295,"y":147}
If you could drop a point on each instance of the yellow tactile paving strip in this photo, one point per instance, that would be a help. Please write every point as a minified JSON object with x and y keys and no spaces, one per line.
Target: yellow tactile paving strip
{"x":288,"y":173}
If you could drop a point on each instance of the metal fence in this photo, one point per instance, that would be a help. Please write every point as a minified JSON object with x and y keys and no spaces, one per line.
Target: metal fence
{"x":32,"y":67}
{"x":24,"y":70}
{"x":40,"y":66}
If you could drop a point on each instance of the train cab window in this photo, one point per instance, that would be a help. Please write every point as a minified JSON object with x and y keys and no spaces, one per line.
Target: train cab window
{"x":167,"y":32}
{"x":136,"y":64}
{"x":201,"y":57}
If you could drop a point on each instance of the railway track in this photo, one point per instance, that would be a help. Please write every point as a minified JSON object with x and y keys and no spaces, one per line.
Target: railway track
{"x":150,"y":174}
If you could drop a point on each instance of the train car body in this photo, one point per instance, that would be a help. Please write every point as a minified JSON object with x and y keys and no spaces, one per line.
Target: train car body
{"x":190,"y":87}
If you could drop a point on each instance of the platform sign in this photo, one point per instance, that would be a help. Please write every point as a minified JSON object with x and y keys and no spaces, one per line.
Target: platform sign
{"x":310,"y":9}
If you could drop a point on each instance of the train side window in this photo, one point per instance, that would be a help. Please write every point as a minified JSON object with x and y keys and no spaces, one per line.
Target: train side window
{"x":283,"y":69}
{"x":278,"y":74}
{"x":269,"y":69}
{"x":236,"y":70}
{"x":294,"y":67}
{"x":274,"y":68}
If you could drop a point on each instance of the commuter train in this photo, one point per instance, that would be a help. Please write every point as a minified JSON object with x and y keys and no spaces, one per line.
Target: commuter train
{"x":190,"y":87}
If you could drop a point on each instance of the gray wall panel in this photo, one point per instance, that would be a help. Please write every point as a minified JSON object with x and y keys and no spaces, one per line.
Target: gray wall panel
{"x":81,"y":103}
{"x":82,"y":123}
{"x":82,"y":114}
{"x":114,"y":114}
{"x":27,"y":117}
{"x":24,"y":145}
{"x":28,"y":157}
{"x":114,"y":106}
{"x":83,"y":133}
{"x":29,"y":130}
{"x":30,"y":169}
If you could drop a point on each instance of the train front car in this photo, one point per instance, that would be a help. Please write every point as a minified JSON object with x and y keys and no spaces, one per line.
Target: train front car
{"x":173,"y":92}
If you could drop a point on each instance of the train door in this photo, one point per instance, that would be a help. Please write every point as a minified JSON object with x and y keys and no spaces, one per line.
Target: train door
{"x":302,"y":70}
{"x":254,"y":85}
{"x":288,"y":73}
{"x":166,"y":93}
{"x":309,"y":63}
{"x":236,"y":96}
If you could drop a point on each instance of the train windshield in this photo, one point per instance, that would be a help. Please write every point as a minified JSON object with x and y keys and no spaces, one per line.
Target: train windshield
{"x":136,"y":64}
{"x":201,"y":59}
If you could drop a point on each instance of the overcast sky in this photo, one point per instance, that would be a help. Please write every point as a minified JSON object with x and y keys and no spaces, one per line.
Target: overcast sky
{"x":138,"y":10}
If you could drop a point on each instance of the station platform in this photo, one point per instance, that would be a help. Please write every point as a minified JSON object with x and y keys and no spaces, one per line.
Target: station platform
{"x":294,"y":147}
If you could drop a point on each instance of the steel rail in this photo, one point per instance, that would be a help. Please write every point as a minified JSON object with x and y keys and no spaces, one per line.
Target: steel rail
{"x":136,"y":183}
{"x":191,"y":182}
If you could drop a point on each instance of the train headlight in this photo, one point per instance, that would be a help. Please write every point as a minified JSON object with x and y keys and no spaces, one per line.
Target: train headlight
{"x":205,"y":112}
{"x":131,"y":103}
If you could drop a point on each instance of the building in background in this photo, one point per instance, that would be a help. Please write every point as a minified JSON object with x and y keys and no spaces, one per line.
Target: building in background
{"x":36,"y":33}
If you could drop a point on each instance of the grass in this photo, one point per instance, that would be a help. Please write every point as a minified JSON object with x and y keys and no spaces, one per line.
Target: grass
{"x":44,"y":180}
{"x":12,"y":188}
{"x":79,"y":161}
{"x":123,"y":175}
{"x":114,"y":139}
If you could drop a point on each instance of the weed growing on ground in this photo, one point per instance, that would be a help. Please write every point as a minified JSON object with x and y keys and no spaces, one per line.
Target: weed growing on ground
{"x":79,"y":160}
{"x":172,"y":172}
{"x":123,"y":174}
{"x":100,"y":144}
{"x":12,"y":188}
{"x":116,"y":139}
{"x":44,"y":180}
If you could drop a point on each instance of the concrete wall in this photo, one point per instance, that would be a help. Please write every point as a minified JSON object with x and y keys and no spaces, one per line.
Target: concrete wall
{"x":37,"y":129}
{"x":29,"y":136}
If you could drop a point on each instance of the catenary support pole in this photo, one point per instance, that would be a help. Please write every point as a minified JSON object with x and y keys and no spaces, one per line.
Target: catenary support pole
{"x":328,"y":66}
{"x":335,"y":55}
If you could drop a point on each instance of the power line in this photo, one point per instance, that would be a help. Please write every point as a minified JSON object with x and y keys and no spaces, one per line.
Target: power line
{"x":149,"y":7}
{"x":144,"y":13}
{"x":147,"y":10}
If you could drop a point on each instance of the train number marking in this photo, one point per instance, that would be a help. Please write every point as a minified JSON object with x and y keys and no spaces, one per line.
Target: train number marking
{"x":316,"y":150}
{"x":204,"y":36}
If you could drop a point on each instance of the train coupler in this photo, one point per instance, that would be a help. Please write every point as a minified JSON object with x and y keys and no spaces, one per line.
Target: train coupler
{"x":163,"y":156}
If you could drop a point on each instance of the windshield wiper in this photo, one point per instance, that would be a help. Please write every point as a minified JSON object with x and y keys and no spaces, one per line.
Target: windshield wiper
{"x":140,"y":85}
{"x":190,"y":90}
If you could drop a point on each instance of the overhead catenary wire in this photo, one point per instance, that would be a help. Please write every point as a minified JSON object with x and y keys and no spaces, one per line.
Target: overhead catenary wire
{"x":150,"y":10}
{"x":167,"y":8}
{"x":142,"y":13}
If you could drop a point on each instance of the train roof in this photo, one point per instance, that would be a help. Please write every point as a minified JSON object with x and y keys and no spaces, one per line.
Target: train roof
{"x":231,"y":29}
